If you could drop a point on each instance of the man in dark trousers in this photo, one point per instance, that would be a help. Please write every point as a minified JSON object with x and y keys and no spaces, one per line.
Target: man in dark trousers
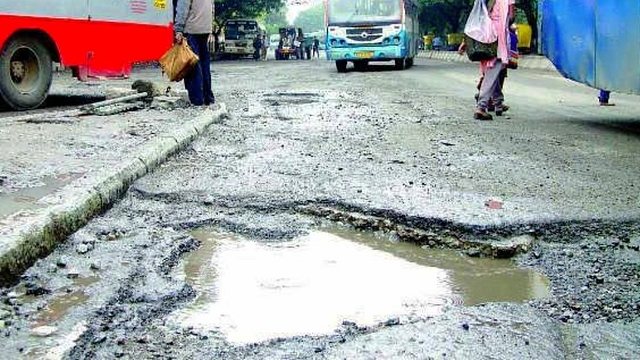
{"x":194,"y":24}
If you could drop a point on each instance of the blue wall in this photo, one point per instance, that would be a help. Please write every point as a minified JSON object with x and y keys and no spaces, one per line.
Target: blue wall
{"x":595,"y":42}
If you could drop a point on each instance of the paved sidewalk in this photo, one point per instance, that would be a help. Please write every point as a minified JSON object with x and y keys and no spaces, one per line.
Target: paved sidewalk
{"x":526,"y":61}
{"x":56,"y":172}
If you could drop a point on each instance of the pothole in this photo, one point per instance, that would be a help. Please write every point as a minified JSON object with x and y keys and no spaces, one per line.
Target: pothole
{"x":292,"y":98}
{"x":27,"y":198}
{"x":251,"y":291}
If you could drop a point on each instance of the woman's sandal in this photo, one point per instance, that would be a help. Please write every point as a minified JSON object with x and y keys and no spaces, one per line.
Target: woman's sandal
{"x":502,"y":110}
{"x":482,"y":115}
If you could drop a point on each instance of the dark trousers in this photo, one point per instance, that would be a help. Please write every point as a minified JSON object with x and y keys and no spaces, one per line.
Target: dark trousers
{"x":604,"y":96}
{"x":198,"y":81}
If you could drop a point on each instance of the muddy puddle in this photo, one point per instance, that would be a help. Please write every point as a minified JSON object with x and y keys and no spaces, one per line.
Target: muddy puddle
{"x":45,"y":341}
{"x":253,"y":291}
{"x":27,"y":198}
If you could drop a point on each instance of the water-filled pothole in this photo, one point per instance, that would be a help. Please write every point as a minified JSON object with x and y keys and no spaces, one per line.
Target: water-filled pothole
{"x":27,"y":198}
{"x":253,"y":291}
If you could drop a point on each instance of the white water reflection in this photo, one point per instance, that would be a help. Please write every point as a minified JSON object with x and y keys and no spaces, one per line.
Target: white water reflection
{"x":308,"y":287}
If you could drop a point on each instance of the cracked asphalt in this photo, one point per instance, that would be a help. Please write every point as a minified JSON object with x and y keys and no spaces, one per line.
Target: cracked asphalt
{"x":383,"y":144}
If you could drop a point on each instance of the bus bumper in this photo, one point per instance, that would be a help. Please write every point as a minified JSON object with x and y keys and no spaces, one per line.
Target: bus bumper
{"x":377,"y":53}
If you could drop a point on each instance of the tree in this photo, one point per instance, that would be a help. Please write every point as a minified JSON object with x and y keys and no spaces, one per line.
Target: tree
{"x":229,"y":9}
{"x":274,"y":20}
{"x":443,"y":16}
{"x":312,"y":19}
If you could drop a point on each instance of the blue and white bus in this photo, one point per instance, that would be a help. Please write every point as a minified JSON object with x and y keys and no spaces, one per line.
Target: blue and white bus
{"x":361,"y":31}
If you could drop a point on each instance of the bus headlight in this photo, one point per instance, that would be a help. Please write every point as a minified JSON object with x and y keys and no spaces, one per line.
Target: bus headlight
{"x":334,"y":42}
{"x":396,"y":40}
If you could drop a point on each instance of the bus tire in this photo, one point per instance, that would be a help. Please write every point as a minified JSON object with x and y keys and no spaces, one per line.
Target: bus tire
{"x":26,"y":72}
{"x":409,"y":62}
{"x":400,"y":64}
{"x":341,"y":66}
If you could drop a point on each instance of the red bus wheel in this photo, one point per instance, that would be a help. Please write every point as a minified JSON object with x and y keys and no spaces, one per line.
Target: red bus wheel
{"x":26,"y":72}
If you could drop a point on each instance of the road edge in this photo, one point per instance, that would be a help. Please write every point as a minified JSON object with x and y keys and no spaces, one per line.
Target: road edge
{"x":533,"y":62}
{"x":41,"y":236}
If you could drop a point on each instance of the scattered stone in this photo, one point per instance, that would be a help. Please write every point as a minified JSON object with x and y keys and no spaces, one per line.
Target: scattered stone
{"x":168,"y":340}
{"x":4,"y":314}
{"x":118,"y":354}
{"x":494,"y":204}
{"x":599,"y":279}
{"x":473,"y":253}
{"x":99,"y":339}
{"x":61,"y":264}
{"x":526,"y":341}
{"x":576,"y":306}
{"x":144,"y":339}
{"x":121,"y":340}
{"x":566,"y":316}
{"x":12,"y":295}
{"x":169,"y":103}
{"x":392,"y":322}
{"x":537,"y":254}
{"x":94,"y":267}
{"x":318,"y":349}
{"x":465,"y":326}
{"x":73,"y":274}
{"x":111,"y":237}
{"x":82,"y":248}
{"x":44,"y":331}
{"x":35,"y":289}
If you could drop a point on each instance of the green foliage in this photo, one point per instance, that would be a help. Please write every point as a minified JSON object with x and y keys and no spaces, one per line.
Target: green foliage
{"x":229,"y":9}
{"x":312,"y":19}
{"x":274,"y":20}
{"x":446,"y":16}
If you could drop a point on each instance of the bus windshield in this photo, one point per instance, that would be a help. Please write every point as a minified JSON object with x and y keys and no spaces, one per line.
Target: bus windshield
{"x":240,"y":30}
{"x":363,"y":11}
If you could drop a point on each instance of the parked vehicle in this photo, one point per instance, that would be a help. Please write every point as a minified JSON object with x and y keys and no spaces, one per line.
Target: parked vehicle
{"x":596,"y":45}
{"x":288,"y":49}
{"x":93,"y":38}
{"x":239,"y":37}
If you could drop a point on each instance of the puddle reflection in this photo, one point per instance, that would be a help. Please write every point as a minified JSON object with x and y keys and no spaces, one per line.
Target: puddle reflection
{"x":252,"y":291}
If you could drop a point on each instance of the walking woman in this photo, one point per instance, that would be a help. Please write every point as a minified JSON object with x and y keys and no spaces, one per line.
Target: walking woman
{"x":491,"y":89}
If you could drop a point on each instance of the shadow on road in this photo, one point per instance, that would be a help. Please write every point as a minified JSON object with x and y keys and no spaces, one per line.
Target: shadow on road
{"x":57,"y":100}
{"x":628,"y":126}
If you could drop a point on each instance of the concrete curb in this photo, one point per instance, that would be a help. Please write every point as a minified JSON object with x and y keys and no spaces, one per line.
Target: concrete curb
{"x":38,"y":237}
{"x":534,"y":62}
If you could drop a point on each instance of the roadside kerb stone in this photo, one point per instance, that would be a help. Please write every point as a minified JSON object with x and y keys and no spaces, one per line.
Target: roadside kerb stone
{"x":534,"y":62}
{"x":38,"y":236}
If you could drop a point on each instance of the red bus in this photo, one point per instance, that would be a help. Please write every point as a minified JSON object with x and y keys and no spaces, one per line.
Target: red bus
{"x":94,"y":38}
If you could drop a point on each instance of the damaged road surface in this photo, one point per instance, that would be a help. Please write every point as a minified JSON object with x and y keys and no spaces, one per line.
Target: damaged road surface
{"x":363,"y":215}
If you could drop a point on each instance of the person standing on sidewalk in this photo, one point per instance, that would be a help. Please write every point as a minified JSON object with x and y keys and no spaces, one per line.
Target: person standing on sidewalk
{"x":194,"y":24}
{"x":604,"y":98}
